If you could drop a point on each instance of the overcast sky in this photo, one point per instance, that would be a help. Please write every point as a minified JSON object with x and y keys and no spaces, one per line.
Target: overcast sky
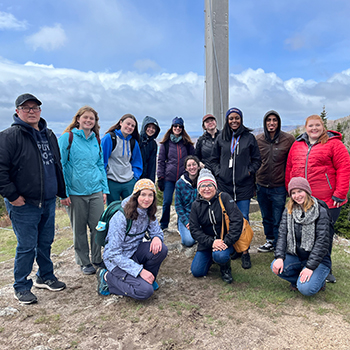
{"x":148,"y":58}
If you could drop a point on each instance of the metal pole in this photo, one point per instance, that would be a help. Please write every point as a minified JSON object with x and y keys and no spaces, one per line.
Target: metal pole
{"x":216,"y":49}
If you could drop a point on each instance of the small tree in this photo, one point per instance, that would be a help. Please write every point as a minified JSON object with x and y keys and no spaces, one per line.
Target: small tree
{"x":323,"y":115}
{"x":296,"y":132}
{"x":340,"y":128}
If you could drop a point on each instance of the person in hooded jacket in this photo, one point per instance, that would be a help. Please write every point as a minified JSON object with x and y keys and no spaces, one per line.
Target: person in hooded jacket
{"x":174,"y":148}
{"x":274,"y":145}
{"x":122,"y":157}
{"x":234,"y":162}
{"x":206,"y":142}
{"x":86,"y":182}
{"x":320,"y":157}
{"x":148,"y":146}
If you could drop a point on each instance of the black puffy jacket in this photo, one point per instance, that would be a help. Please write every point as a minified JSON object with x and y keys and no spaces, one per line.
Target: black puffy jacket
{"x":320,"y":251}
{"x":206,"y":221}
{"x":204,"y":147}
{"x":21,"y":168}
{"x":238,"y":181}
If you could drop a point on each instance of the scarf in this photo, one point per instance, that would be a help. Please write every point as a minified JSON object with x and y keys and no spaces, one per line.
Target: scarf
{"x":175,"y":139}
{"x":307,"y":220}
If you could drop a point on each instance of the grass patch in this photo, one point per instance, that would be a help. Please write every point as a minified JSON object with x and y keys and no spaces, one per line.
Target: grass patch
{"x":8,"y":244}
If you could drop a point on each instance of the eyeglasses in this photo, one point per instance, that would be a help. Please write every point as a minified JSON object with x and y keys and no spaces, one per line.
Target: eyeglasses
{"x":206,"y":186}
{"x":27,"y":109}
{"x":177,"y":126}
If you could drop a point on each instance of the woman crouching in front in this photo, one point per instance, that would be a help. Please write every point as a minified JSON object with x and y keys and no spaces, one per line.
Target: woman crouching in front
{"x":206,"y":225}
{"x":132,"y":264}
{"x":302,"y":250}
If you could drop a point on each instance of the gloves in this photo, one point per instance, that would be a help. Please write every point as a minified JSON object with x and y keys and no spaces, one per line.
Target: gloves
{"x":161,"y":183}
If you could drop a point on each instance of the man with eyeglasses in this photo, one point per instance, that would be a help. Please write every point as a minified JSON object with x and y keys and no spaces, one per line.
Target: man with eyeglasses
{"x":30,"y":178}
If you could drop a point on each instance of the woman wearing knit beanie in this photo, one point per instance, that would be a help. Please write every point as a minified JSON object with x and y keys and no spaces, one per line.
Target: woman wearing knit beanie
{"x":206,"y":225}
{"x":302,"y":251}
{"x":132,"y":264}
{"x":235,"y":160}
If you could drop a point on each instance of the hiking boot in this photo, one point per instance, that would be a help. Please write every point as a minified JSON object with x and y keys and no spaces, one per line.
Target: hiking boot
{"x":266,"y":248}
{"x":53,"y":285}
{"x":226,"y":274}
{"x":101,"y":264}
{"x":330,"y":278}
{"x":102,"y":285}
{"x":26,"y":297}
{"x":88,"y":269}
{"x":246,"y":263}
{"x":293,"y":288}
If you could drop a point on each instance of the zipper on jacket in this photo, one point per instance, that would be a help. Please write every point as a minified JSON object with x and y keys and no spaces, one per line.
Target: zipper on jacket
{"x":212,"y":219}
{"x":307,"y":159}
{"x":329,"y":183}
{"x":178,"y":161}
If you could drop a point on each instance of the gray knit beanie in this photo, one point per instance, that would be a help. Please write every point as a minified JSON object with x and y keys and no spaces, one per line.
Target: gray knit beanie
{"x":206,"y":175}
{"x":299,"y":183}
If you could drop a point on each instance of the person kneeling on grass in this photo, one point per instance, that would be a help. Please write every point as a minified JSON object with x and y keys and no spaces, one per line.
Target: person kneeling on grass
{"x":206,"y":225}
{"x":132,"y":264}
{"x":302,"y":251}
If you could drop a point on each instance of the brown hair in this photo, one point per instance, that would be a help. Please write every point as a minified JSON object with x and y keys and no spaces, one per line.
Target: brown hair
{"x":135,"y":133}
{"x":130,"y":209}
{"x":308,"y":203}
{"x":324,"y":136}
{"x":186,"y":138}
{"x":75,"y":124}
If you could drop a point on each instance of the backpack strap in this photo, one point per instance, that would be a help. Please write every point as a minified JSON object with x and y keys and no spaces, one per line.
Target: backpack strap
{"x":166,"y":146}
{"x":70,"y":140}
{"x":225,"y":218}
{"x":114,"y":139}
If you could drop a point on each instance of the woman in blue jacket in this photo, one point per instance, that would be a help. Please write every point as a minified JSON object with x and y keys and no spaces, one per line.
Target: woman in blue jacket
{"x":86,"y":183}
{"x":122,"y":157}
{"x":185,"y":195}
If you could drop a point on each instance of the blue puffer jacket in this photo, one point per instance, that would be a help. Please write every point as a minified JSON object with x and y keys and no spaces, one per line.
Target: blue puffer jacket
{"x":84,"y":173}
{"x":185,"y":195}
{"x":121,"y":247}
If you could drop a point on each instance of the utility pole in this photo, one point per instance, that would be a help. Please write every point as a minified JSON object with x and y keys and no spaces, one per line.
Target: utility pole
{"x":216,"y":55}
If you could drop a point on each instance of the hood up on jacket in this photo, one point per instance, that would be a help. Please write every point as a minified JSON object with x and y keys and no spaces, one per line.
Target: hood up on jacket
{"x":266,"y":133}
{"x":149,"y":120}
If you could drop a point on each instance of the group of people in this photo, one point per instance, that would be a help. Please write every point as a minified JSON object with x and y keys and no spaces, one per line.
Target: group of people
{"x":223,"y":171}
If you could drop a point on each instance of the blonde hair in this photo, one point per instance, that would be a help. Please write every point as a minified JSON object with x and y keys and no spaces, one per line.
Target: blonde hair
{"x":308,"y":203}
{"x":75,"y":124}
{"x":324,"y":136}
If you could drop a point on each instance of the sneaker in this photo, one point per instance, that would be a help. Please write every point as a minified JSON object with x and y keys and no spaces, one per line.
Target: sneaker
{"x":53,"y":285}
{"x":155,"y":285}
{"x":101,"y":264}
{"x":266,"y":248}
{"x":330,"y":278}
{"x":102,"y":286}
{"x":246,"y":263}
{"x":88,"y":269}
{"x":25,"y":297}
{"x":226,"y":274}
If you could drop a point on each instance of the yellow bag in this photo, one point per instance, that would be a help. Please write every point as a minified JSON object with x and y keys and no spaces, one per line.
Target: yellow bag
{"x":247,"y":233}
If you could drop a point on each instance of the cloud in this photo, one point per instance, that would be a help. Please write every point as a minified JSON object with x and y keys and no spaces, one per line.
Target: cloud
{"x":48,"y":38}
{"x":164,"y":95}
{"x":147,"y":64}
{"x":8,"y":21}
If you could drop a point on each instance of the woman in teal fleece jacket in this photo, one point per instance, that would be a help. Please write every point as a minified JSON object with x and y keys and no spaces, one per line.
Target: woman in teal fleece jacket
{"x":122,"y":157}
{"x":86,"y":184}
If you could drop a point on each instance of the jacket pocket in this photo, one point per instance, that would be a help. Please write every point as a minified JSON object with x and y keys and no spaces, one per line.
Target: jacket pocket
{"x":329,"y":183}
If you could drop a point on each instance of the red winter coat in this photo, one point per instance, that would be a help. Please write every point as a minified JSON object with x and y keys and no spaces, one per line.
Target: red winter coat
{"x":325,"y":166}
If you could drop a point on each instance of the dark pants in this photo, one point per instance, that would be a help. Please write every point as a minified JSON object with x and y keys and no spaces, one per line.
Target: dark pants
{"x":271,"y":202}
{"x":121,"y":283}
{"x":119,"y":190}
{"x":35,"y":230}
{"x":169,"y":188}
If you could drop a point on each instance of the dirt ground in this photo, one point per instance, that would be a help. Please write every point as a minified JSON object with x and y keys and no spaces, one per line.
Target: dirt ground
{"x":185,"y":313}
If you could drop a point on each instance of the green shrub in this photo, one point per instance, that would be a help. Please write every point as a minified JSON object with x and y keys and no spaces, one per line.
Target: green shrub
{"x":342,"y":226}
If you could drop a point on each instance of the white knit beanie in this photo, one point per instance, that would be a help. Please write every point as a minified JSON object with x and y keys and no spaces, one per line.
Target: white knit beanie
{"x":206,"y":175}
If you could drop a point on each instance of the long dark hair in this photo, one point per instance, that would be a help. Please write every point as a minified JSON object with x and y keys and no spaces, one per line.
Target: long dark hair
{"x":130,"y":209}
{"x":227,"y":131}
{"x":185,"y":137}
{"x":135,"y":133}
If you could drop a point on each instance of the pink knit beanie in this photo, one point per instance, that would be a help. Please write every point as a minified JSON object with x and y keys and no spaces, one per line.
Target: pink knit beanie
{"x":299,"y":183}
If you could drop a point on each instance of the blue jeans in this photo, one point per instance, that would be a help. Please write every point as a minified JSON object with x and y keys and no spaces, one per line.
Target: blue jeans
{"x":35,"y":230}
{"x":169,"y":188}
{"x":186,"y":238}
{"x":204,"y":258}
{"x":244,"y":206}
{"x":271,"y":202}
{"x":292,"y":267}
